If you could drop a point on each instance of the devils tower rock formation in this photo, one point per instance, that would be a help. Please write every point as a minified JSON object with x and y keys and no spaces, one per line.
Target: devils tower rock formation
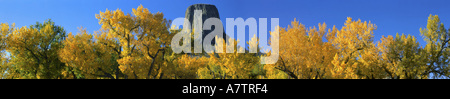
{"x":208,"y":11}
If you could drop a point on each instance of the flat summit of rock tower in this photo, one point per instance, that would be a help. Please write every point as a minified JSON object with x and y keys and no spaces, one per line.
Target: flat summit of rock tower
{"x":208,"y":11}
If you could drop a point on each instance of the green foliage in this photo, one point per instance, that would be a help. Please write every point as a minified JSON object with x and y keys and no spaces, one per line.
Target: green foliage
{"x":34,"y":51}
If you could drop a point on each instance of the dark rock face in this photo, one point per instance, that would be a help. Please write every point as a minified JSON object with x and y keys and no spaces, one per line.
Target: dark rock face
{"x":208,"y":11}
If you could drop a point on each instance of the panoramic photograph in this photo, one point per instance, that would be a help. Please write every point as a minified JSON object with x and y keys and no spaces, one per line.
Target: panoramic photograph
{"x":190,"y":40}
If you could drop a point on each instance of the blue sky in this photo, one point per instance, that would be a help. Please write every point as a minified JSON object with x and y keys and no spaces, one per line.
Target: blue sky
{"x":390,"y":16}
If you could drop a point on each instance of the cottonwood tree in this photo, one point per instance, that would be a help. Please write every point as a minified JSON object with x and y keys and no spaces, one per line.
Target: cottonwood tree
{"x":34,"y":51}
{"x":91,"y":60}
{"x":303,"y":53}
{"x":402,"y":57}
{"x":231,"y":65}
{"x":136,"y":41}
{"x":437,"y":51}
{"x":356,"y":55}
{"x":5,"y":29}
{"x":140,"y":40}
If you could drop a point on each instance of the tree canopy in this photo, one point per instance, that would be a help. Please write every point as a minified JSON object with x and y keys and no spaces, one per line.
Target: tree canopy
{"x":137,"y":45}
